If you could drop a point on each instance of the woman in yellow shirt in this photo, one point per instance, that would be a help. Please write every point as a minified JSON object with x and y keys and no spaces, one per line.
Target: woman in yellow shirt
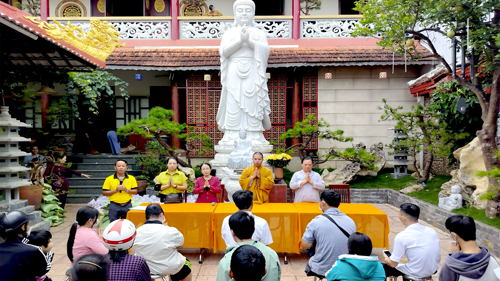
{"x":173,"y":182}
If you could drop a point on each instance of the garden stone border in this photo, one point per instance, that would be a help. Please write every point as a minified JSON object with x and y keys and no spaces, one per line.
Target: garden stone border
{"x":486,"y":236}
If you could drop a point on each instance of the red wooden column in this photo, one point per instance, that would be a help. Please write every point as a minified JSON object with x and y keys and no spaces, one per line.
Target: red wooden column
{"x":174,"y":26}
{"x":295,"y":107}
{"x":45,"y":106}
{"x":175,"y":108}
{"x":44,"y":10}
{"x":296,"y":19}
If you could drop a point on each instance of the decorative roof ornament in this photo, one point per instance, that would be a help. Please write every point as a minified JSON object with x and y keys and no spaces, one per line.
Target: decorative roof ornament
{"x":99,"y":41}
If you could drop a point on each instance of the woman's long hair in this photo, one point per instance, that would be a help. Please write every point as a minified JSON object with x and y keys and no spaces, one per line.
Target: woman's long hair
{"x":83,"y":215}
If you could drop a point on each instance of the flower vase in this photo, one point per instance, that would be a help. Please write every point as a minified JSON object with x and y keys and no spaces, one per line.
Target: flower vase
{"x":278,"y":173}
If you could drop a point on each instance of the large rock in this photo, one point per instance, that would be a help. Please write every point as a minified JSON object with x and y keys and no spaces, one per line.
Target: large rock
{"x":376,"y":149}
{"x":413,"y":188}
{"x":342,"y":175}
{"x":471,"y":162}
{"x":189,"y":173}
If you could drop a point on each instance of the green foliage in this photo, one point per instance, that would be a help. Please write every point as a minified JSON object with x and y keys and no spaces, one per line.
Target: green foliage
{"x":444,"y":104}
{"x":422,"y":128}
{"x":59,"y":112}
{"x":309,"y":5}
{"x":95,"y":86}
{"x":31,"y":6}
{"x":478,"y":215}
{"x":493,"y":193}
{"x":158,"y":123}
{"x":50,"y":206}
{"x":153,"y":145}
{"x":152,"y":166}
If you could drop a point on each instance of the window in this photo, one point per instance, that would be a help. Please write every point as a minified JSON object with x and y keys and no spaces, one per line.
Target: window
{"x":131,"y":109}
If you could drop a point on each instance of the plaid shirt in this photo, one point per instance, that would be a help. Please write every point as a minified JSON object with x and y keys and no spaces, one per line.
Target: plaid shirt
{"x":131,"y":268}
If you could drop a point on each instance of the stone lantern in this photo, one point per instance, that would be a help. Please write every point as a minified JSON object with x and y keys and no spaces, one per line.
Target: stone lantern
{"x":400,"y":161}
{"x":9,"y":157}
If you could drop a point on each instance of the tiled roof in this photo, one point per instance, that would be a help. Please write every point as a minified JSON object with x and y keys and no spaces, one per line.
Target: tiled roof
{"x":208,"y":58}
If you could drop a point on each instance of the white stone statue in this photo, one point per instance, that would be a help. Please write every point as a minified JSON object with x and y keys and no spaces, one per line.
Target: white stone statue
{"x":454,"y":201}
{"x":241,"y":157}
{"x":244,"y":102}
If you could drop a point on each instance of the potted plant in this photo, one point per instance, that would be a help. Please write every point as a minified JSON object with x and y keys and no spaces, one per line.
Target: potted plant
{"x":153,"y":148}
{"x":57,"y":144}
{"x":142,"y":183}
{"x":151,"y":166}
{"x":278,"y":161}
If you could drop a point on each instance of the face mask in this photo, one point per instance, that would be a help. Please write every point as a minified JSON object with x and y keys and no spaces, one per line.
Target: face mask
{"x":96,"y":224}
{"x":163,"y":221}
{"x":452,"y":240}
{"x":320,"y":208}
{"x":28,"y":232}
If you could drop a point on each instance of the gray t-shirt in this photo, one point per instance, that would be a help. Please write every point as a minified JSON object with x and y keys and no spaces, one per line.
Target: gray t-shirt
{"x":330,"y":241}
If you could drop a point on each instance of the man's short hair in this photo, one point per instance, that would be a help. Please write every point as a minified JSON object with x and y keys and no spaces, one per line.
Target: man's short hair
{"x":463,"y":226}
{"x":40,"y":238}
{"x":359,"y":244}
{"x":331,"y":197}
{"x":258,"y":153}
{"x":242,"y":224}
{"x":306,"y":158}
{"x":121,"y":160}
{"x":410,"y":211}
{"x":153,"y":210}
{"x":248,"y":263}
{"x":243,"y":199}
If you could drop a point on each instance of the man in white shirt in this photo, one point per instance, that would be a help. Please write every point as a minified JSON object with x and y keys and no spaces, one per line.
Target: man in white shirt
{"x":157,"y":243}
{"x":307,"y":183}
{"x":420,"y":245}
{"x":243,"y":199}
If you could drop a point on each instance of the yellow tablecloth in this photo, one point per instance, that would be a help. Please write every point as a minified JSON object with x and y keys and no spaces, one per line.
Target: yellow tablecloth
{"x":193,"y":220}
{"x":369,"y":220}
{"x":282,"y":219}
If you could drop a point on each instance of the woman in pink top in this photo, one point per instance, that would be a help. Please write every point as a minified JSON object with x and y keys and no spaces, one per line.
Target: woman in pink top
{"x":207,"y":186}
{"x":83,"y":238}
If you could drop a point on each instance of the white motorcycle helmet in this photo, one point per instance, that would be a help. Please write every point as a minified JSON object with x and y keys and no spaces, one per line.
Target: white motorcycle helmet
{"x":119,"y":235}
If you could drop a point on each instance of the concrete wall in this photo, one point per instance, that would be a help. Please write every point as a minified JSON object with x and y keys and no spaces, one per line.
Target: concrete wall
{"x":350,"y":101}
{"x":141,"y":87}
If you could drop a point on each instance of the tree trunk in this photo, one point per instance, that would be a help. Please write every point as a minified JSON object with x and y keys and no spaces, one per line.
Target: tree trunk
{"x":168,"y":151}
{"x":424,"y":176}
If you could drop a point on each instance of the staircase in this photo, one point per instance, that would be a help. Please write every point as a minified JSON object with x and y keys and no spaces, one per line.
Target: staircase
{"x":22,"y":205}
{"x":100,"y":166}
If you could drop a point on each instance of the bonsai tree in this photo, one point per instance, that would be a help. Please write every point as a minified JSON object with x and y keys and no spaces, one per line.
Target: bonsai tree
{"x":423,"y":129}
{"x":309,"y":5}
{"x":309,"y":129}
{"x":160,"y":123}
{"x":59,"y":112}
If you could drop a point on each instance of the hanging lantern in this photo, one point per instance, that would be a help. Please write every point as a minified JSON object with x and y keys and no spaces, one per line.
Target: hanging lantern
{"x":46,"y":90}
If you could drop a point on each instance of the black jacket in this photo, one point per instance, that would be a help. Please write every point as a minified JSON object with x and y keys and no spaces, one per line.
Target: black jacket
{"x":22,"y":261}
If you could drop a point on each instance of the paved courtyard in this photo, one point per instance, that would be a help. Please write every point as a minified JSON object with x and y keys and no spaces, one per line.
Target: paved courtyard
{"x":294,"y":270}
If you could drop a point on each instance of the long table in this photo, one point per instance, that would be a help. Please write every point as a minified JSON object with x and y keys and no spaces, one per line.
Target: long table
{"x":201,"y":223}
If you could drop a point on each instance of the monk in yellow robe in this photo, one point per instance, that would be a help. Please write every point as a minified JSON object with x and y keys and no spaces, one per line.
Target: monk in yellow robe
{"x":258,"y":179}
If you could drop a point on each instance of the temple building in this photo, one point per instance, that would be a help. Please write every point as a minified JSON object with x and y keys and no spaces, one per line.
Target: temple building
{"x":171,"y":59}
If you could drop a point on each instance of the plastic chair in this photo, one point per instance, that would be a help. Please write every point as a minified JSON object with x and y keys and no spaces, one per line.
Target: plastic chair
{"x":156,"y":276}
{"x":343,"y":190}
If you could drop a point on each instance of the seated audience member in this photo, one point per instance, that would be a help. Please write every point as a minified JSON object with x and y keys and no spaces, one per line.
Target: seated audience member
{"x":43,"y":239}
{"x":207,"y":187}
{"x":306,"y":183}
{"x":119,"y":237}
{"x":467,"y":260}
{"x":84,"y":238}
{"x":158,"y":242}
{"x":18,"y":259}
{"x":420,"y":245}
{"x":258,"y":179}
{"x":247,"y":264}
{"x":331,"y":238}
{"x":358,"y":264}
{"x":243,"y":199}
{"x":93,"y":267}
{"x":242,"y":226}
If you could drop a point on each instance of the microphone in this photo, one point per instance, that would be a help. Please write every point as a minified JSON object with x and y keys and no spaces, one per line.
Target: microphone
{"x":121,"y":182}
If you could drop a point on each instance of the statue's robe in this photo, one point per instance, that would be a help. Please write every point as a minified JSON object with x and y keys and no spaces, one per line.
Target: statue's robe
{"x":259,"y":187}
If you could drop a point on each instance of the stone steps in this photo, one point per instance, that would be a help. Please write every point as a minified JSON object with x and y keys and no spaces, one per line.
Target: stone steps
{"x":22,"y":205}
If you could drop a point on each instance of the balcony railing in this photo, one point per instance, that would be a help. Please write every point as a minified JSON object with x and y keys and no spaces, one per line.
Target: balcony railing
{"x":328,"y":26}
{"x":277,"y":27}
{"x":129,"y":27}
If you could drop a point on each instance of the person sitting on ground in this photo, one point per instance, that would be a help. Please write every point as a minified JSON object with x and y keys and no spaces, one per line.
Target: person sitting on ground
{"x":173,"y":182}
{"x":19,"y":260}
{"x":43,"y":239}
{"x":92,"y":267}
{"x":358,"y":264}
{"x":420,"y":245}
{"x":331,"y":238}
{"x":306,"y":183}
{"x":242,"y":226}
{"x":158,"y":242}
{"x":207,"y":187}
{"x":258,"y":179}
{"x":119,"y":187}
{"x":119,"y":237}
{"x":247,"y":264}
{"x":243,"y":199}
{"x":84,"y":238}
{"x":467,"y":260}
